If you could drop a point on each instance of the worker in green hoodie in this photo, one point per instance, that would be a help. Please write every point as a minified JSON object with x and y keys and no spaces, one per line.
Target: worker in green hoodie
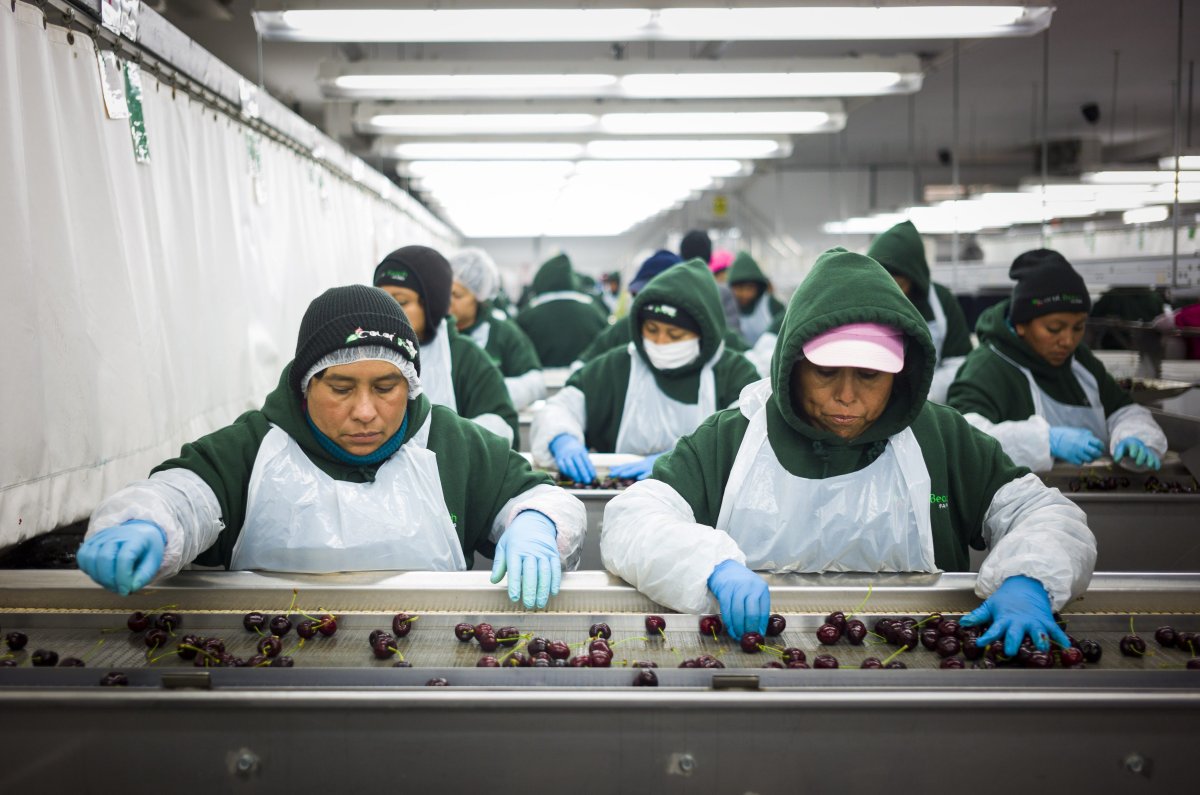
{"x":559,"y":319}
{"x":458,"y":374}
{"x":639,"y":399}
{"x":900,"y":251}
{"x":1036,"y":388}
{"x":838,"y":463}
{"x":347,"y":467}
{"x":618,"y":334}
{"x":756,"y":302}
{"x":476,"y":282}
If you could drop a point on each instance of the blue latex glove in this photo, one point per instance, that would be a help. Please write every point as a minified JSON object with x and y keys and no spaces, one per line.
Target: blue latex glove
{"x":1077,"y":445}
{"x":125,"y":558}
{"x":1019,"y":607}
{"x":1137,"y":450}
{"x":743,"y":596}
{"x":528,"y":551}
{"x":571,"y":458}
{"x":636,"y":469}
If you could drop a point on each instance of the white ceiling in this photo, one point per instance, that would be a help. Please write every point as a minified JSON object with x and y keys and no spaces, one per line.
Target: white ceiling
{"x":999,"y":83}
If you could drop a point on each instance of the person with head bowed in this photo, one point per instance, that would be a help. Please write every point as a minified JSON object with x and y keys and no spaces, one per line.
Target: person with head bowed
{"x":348,"y":466}
{"x":458,"y":374}
{"x":476,"y":284}
{"x":838,"y":463}
{"x":672,"y":374}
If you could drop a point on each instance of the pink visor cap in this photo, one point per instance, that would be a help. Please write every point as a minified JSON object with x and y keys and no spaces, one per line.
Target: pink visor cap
{"x":721,"y":259}
{"x":870,"y":346}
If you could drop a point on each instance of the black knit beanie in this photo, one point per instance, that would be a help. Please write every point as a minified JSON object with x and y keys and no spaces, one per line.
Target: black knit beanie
{"x":1046,"y":283}
{"x":668,"y":313}
{"x":350,"y":317}
{"x":696,"y":244}
{"x":424,"y":271}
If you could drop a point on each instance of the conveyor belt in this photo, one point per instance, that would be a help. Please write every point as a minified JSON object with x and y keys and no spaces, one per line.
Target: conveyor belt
{"x":340,"y":720}
{"x":101,"y":640}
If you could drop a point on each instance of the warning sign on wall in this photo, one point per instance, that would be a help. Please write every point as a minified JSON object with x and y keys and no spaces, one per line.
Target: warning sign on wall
{"x":720,"y":205}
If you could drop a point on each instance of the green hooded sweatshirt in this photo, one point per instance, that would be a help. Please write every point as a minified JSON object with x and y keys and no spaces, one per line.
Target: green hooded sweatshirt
{"x":561,"y":328}
{"x":507,"y":346}
{"x":900,"y":251}
{"x":745,"y":269}
{"x":966,"y":467}
{"x":478,"y":383}
{"x":604,"y":381}
{"x":994,"y":389}
{"x":478,"y":471}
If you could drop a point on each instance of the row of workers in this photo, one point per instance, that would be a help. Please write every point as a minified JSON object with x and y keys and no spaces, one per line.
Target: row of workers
{"x":837,"y":462}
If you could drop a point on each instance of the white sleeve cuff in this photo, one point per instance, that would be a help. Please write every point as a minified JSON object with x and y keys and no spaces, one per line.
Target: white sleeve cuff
{"x":179,"y":502}
{"x":566,"y":511}
{"x":1026,"y":442}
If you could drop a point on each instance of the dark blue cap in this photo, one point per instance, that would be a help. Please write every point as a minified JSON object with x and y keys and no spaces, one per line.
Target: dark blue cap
{"x":655,"y":264}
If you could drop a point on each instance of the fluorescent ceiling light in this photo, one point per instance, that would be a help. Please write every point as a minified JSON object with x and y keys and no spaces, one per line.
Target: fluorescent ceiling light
{"x":656,"y":79}
{"x":1186,"y":163}
{"x":1146,"y":215}
{"x":482,"y":124}
{"x":483,"y":150}
{"x":1139,"y":177}
{"x":731,"y":117}
{"x":738,"y":149}
{"x":738,"y":122}
{"x":584,"y":148}
{"x":666,"y":24}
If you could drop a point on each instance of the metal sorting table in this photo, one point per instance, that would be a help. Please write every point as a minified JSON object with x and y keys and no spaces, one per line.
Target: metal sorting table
{"x":341,"y":717}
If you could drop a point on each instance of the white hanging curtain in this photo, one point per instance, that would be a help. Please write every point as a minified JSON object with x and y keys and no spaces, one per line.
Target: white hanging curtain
{"x":143,"y":305}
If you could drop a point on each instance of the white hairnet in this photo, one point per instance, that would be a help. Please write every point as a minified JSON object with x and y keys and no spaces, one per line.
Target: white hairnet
{"x":360,"y":353}
{"x":475,"y":268}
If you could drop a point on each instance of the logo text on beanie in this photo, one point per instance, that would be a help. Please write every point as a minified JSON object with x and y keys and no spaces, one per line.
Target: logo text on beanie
{"x":399,"y":342}
{"x":663,"y":309}
{"x":1060,"y":298}
{"x":400,"y":276}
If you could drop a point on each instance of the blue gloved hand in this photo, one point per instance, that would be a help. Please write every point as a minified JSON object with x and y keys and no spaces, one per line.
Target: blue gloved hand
{"x":571,"y":458}
{"x":528,"y":551}
{"x":1077,"y":445}
{"x":1019,"y":607}
{"x":636,"y":469}
{"x":1136,"y":449}
{"x":125,"y":558}
{"x":743,"y":596}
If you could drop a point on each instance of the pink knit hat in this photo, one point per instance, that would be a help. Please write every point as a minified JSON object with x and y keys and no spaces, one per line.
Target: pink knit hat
{"x":870,"y":346}
{"x":721,"y":259}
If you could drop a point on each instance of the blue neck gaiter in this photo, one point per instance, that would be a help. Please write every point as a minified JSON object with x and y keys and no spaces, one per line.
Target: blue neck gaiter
{"x":336,"y":452}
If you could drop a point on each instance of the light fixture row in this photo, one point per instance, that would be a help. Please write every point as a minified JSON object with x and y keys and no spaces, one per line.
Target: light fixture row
{"x":611,"y":118}
{"x":771,"y":21}
{"x":656,"y":79}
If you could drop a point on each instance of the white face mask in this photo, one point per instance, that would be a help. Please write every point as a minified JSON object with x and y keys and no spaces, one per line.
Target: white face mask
{"x":673,"y":354}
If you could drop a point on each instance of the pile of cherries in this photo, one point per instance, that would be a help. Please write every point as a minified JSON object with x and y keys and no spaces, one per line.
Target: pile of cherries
{"x":1156,"y":486}
{"x":383,"y":643}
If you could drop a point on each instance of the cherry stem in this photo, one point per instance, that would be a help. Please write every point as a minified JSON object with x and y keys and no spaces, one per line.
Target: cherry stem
{"x":95,"y":649}
{"x":153,"y":660}
{"x":895,"y":654}
{"x":861,"y":604}
{"x":300,"y":646}
{"x":390,"y":648}
{"x":295,"y":596}
{"x":778,"y":652}
{"x":1132,"y":631}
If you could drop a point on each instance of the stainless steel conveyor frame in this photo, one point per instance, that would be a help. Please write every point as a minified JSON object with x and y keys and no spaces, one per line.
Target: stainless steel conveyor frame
{"x":585,"y":730}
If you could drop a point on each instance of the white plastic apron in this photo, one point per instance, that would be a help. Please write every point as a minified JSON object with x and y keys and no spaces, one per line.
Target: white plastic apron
{"x":1058,"y":414}
{"x":652,"y":422}
{"x":481,"y":334}
{"x":755,"y":323}
{"x":876,"y":519}
{"x":437,"y":377}
{"x":937,"y":326}
{"x":299,"y":519}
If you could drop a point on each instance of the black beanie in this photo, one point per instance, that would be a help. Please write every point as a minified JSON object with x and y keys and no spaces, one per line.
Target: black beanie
{"x":1046,"y":283}
{"x":668,"y":313}
{"x":350,"y":317}
{"x":425,"y":272}
{"x":696,"y":245}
